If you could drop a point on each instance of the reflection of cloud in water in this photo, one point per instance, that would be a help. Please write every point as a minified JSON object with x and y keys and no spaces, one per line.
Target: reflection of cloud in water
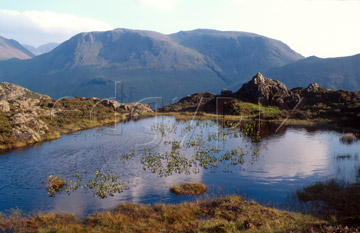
{"x":295,"y":154}
{"x":146,"y":188}
{"x":154,"y":185}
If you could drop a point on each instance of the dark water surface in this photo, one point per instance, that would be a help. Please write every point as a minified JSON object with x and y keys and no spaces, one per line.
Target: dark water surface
{"x":286,"y":162}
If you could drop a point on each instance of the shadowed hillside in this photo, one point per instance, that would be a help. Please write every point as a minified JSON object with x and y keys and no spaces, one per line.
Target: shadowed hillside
{"x":145,"y":64}
{"x":333,"y":73}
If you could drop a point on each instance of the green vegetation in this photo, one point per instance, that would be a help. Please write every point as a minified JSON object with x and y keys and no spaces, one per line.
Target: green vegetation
{"x":55,"y":184}
{"x":188,"y":188}
{"x":200,"y":150}
{"x":229,"y":214}
{"x":254,"y":110}
{"x":102,"y":185}
{"x":337,"y":202}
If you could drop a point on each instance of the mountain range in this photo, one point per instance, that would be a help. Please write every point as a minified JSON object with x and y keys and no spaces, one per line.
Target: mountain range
{"x":332,"y":73}
{"x":130,"y":65}
{"x":147,"y":64}
{"x":45,"y":48}
{"x":13,"y":49}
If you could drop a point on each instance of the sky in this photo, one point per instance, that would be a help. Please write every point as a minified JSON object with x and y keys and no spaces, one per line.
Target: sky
{"x":324,"y":28}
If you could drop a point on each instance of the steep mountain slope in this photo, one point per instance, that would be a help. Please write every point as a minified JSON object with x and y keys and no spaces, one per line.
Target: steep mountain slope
{"x":238,"y":54}
{"x":45,"y":48}
{"x":146,"y":64}
{"x":140,"y":64}
{"x":13,"y":49}
{"x":333,"y":73}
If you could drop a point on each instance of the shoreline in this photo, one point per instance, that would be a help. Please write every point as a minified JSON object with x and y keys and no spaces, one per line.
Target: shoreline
{"x":324,"y":124}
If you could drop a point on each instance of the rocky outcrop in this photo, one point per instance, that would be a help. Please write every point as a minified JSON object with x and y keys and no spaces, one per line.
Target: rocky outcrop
{"x":10,"y":91}
{"x":28,"y":117}
{"x":134,"y":108}
{"x":267,"y":91}
{"x":313,"y":87}
{"x":190,"y":103}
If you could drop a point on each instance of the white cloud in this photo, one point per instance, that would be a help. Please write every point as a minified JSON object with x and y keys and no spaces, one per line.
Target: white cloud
{"x":161,"y":4}
{"x":39,"y":27}
{"x":325,"y":28}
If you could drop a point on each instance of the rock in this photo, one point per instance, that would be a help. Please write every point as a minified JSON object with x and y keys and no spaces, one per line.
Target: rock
{"x":137,"y":108}
{"x":267,"y":91}
{"x":133,"y":108}
{"x":4,"y":106}
{"x":111,"y":103}
{"x":10,"y":91}
{"x":190,"y":103}
{"x":313,"y":87}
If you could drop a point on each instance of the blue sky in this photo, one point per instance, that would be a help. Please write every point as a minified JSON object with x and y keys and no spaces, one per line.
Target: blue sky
{"x":325,"y":28}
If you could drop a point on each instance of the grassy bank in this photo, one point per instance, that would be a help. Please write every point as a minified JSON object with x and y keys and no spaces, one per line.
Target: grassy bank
{"x":229,"y":214}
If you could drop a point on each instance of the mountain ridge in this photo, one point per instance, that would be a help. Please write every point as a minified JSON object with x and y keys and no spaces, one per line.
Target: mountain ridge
{"x":332,"y":73}
{"x":146,"y":63}
{"x":10,"y":48}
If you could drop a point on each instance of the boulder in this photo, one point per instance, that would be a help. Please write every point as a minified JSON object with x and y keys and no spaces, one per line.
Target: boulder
{"x":267,"y":91}
{"x":313,"y":87}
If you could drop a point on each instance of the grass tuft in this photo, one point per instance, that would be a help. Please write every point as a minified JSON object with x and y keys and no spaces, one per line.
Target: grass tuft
{"x":189,"y":188}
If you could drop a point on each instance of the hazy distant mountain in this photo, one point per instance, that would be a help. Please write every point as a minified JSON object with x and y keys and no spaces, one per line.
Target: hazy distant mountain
{"x":13,"y":49}
{"x":333,"y":73}
{"x":45,"y":48}
{"x":148,"y":64}
{"x":238,"y":54}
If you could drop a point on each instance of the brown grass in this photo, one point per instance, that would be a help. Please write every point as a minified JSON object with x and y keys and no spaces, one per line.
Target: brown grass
{"x":229,"y":214}
{"x":55,"y":184}
{"x":189,"y":188}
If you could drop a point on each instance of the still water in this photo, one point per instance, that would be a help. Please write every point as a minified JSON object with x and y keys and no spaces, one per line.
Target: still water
{"x":286,"y":161}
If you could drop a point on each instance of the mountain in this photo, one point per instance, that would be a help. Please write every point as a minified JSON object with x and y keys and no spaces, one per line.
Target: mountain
{"x":333,"y":73}
{"x":45,"y":48}
{"x":238,"y":54}
{"x":13,"y":49}
{"x":135,"y":64}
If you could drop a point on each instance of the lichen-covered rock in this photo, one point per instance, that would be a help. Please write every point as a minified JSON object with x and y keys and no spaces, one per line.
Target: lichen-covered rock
{"x":134,"y":108}
{"x":10,"y":91}
{"x":4,"y":106}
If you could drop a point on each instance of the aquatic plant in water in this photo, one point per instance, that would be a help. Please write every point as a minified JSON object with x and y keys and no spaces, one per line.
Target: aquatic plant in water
{"x":102,"y":185}
{"x":191,"y":149}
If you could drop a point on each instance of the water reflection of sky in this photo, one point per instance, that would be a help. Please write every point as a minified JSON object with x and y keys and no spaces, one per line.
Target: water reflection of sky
{"x":288,"y":161}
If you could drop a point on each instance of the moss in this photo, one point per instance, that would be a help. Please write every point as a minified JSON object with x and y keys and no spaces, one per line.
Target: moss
{"x":189,"y":188}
